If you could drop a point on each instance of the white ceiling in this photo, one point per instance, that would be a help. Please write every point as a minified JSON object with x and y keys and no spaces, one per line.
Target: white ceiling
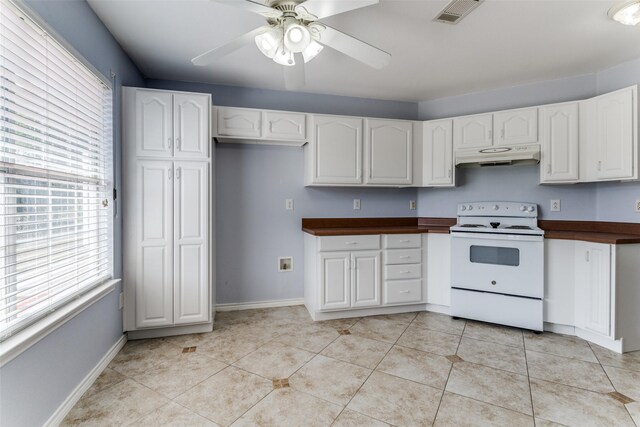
{"x":502,"y":43}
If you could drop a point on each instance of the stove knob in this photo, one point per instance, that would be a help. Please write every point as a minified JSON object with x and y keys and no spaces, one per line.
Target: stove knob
{"x":463,"y":208}
{"x":530,"y":209}
{"x":470,"y":207}
{"x":523,"y":208}
{"x":496,"y":207}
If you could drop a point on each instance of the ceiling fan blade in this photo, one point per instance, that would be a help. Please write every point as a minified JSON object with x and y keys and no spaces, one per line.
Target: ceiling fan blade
{"x":294,"y":75}
{"x":319,"y":9}
{"x":351,"y":46}
{"x":235,"y":44}
{"x":252,"y":6}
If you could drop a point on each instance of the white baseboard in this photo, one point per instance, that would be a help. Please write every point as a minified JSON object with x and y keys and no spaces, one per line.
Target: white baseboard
{"x":259,"y":304}
{"x":84,"y":385}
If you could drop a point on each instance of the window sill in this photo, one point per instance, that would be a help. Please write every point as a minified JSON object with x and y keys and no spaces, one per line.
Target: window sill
{"x":13,"y":346}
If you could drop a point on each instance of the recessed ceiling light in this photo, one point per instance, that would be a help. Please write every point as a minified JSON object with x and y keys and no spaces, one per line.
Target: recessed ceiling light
{"x":627,"y":13}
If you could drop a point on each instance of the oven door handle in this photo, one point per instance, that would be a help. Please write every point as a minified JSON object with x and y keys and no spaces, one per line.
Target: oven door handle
{"x":497,"y":236}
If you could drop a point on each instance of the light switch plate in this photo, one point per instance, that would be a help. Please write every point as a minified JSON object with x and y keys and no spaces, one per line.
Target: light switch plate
{"x":288,"y":204}
{"x":356,"y":204}
{"x":555,"y":206}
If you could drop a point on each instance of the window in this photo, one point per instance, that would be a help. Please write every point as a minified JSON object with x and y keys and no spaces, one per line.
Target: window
{"x":55,"y":171}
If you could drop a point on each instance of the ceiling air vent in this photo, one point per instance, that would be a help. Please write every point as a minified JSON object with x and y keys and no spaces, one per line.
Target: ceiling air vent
{"x":456,"y":10}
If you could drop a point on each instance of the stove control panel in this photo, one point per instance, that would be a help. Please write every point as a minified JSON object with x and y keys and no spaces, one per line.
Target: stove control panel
{"x":513,"y":209}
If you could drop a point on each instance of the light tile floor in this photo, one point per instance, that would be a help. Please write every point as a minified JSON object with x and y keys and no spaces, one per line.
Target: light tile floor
{"x":276,"y":367}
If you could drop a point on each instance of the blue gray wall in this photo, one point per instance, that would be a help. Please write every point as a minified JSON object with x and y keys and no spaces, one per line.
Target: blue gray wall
{"x":252,"y":182}
{"x":613,"y":201}
{"x":33,"y":385}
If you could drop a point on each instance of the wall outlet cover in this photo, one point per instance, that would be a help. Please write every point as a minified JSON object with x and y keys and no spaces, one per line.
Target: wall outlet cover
{"x":412,"y":205}
{"x":638,"y":206}
{"x":288,"y":204}
{"x":356,"y":204}
{"x":555,"y":206}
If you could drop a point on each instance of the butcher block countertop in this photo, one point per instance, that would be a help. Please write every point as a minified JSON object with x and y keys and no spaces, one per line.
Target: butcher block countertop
{"x":588,"y":231}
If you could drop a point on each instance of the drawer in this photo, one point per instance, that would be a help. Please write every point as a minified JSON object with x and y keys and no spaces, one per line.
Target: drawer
{"x":402,"y":271}
{"x":401,"y":241}
{"x":402,"y":291}
{"x":348,"y":243}
{"x":399,"y":256}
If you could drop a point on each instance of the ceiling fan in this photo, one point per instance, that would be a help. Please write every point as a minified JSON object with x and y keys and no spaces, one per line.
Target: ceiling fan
{"x":294,"y":36}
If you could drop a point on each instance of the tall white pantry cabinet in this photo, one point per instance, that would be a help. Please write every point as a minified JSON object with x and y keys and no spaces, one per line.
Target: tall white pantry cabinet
{"x":167,"y":181}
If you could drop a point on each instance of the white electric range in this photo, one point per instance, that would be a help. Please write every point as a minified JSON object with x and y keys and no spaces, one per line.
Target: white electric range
{"x":497,"y":264}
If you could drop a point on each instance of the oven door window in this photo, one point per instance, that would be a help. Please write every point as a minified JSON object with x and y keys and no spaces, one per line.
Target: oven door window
{"x":495,"y":255}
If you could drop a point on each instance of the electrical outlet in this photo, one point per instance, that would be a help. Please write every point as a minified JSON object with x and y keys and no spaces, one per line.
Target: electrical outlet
{"x":555,"y":205}
{"x":288,"y":204}
{"x":412,"y":205}
{"x":356,"y":204}
{"x":638,"y":206}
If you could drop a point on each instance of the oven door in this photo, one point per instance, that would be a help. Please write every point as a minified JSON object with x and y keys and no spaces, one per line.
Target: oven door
{"x":498,"y":263}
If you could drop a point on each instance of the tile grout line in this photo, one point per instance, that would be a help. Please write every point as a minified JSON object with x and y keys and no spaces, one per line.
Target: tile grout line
{"x":526,"y":363}
{"x":374,"y":370}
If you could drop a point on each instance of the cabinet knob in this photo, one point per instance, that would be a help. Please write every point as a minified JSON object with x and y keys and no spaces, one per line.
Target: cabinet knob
{"x":178,"y":173}
{"x":169,"y":142}
{"x":170,"y":174}
{"x":449,"y":174}
{"x":178,"y":143}
{"x":599,"y":165}
{"x":549,"y":168}
{"x":586,"y":256}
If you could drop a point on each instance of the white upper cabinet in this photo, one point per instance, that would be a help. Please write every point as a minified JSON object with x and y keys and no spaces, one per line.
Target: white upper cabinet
{"x":336,"y":150}
{"x":615,"y":135}
{"x":559,"y":135}
{"x":388,"y":152}
{"x":438,"y":168}
{"x":287,"y":126}
{"x":154,"y":118}
{"x":191,"y":125}
{"x":239,"y":122}
{"x":515,"y":127}
{"x":473,"y":131}
{"x":171,"y":124}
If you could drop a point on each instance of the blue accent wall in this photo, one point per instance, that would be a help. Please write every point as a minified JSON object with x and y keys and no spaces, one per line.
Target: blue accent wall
{"x":34,"y":385}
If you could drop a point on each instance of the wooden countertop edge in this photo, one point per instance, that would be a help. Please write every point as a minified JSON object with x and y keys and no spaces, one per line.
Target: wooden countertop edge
{"x":607,"y":231}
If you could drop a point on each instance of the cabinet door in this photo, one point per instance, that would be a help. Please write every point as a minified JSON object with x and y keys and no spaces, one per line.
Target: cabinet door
{"x":593,"y":287}
{"x":365,"y":288}
{"x":615,"y":135}
{"x":389,"y":152}
{"x":337,"y":145}
{"x":154,"y":227}
{"x":559,"y":137}
{"x":438,"y":153}
{"x":191,"y":125}
{"x":154,"y":124}
{"x":516,"y":126}
{"x":473,"y":132}
{"x":239,"y":122}
{"x":285,"y":126}
{"x":335,"y":280}
{"x":191,"y":235}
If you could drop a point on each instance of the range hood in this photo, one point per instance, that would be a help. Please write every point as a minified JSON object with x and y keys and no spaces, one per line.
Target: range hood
{"x":498,"y":156}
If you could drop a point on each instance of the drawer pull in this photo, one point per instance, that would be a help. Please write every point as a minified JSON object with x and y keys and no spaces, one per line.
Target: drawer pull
{"x":350,"y":243}
{"x":404,"y":256}
{"x":405,"y":292}
{"x":405,"y":272}
{"x":405,"y":241}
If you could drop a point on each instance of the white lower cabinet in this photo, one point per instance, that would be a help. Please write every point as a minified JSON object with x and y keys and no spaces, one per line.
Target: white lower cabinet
{"x":379,"y":278}
{"x":593,"y":287}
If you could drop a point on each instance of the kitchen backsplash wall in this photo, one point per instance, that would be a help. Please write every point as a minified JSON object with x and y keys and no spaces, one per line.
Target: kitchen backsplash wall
{"x":613,"y":201}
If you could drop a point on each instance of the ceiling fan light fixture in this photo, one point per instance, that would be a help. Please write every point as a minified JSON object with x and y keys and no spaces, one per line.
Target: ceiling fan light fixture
{"x":627,"y":13}
{"x":269,"y":41}
{"x":311,"y":51}
{"x":284,"y":56}
{"x":296,"y":38}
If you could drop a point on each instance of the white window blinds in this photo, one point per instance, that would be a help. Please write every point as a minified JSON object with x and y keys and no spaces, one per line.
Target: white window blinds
{"x":55,"y":168}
